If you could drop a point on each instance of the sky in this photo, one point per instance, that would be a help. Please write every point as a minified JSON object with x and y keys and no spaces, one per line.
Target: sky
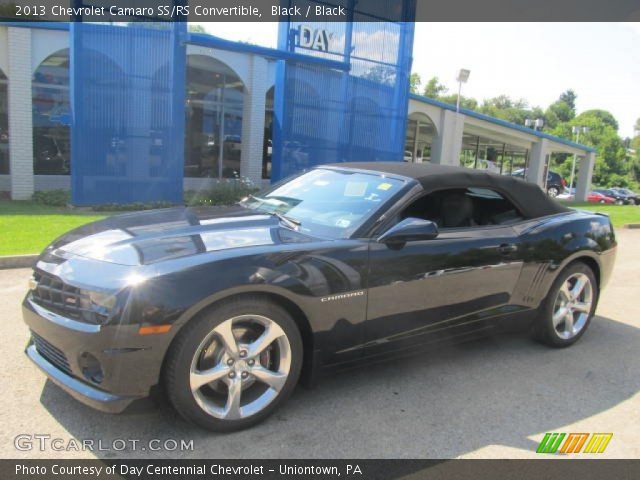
{"x":534,"y":61}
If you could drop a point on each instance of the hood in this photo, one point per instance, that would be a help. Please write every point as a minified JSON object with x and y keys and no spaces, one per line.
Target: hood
{"x":159,"y":235}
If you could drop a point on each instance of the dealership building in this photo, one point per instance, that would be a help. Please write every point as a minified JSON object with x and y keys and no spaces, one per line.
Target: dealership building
{"x":230,"y":95}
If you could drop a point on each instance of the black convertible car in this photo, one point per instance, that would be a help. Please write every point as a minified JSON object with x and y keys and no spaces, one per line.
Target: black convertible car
{"x":228,"y":308}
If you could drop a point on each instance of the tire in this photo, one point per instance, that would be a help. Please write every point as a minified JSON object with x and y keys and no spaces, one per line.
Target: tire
{"x":553,"y":192}
{"x":201,"y":347}
{"x":619,"y":202}
{"x":602,"y":201}
{"x":558,"y":334}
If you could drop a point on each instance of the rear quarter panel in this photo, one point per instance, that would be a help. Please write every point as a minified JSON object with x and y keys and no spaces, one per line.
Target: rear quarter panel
{"x":547,"y":245}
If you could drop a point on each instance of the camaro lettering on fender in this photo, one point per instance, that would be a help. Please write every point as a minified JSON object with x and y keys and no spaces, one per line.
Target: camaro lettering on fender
{"x":342,"y":296}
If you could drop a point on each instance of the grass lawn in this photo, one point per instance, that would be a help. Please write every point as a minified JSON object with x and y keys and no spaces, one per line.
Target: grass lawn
{"x":620,"y":214}
{"x":27,"y":227}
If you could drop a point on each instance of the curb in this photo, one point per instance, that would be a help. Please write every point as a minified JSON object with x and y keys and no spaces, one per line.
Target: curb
{"x":632,"y":226}
{"x":17,"y":261}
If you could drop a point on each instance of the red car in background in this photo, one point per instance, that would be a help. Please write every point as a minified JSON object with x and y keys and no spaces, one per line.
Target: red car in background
{"x":595,"y":197}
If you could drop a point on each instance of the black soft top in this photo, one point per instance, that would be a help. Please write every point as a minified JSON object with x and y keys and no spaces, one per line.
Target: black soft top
{"x":528,"y":197}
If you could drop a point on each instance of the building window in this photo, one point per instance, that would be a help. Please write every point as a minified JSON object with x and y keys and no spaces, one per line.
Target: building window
{"x":52,"y":116}
{"x":420,"y":136}
{"x":4,"y":125}
{"x":214,"y":103}
{"x":267,"y":149}
{"x":483,"y":153}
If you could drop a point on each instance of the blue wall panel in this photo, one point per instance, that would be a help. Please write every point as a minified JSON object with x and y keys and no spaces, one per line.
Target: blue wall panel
{"x":325,"y":115}
{"x":127,"y":103}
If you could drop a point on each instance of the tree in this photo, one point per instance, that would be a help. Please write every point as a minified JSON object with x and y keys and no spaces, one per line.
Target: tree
{"x":569,"y":97}
{"x":465,"y":102}
{"x":604,"y":116}
{"x":434,"y":89}
{"x":193,"y":28}
{"x":506,"y":108}
{"x":636,"y":128}
{"x":611,"y":163}
{"x":562,"y":110}
{"x":414,"y":82}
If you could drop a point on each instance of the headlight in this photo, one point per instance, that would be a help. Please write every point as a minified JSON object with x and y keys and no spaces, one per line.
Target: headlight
{"x":102,"y":302}
{"x":97,"y":306}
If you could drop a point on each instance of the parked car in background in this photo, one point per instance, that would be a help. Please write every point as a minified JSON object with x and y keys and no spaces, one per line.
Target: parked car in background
{"x":555,"y":183}
{"x":595,"y":197}
{"x":610,"y":192}
{"x":632,"y":197}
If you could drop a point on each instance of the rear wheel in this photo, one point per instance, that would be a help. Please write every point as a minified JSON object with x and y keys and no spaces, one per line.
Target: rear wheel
{"x":232,"y":367}
{"x":568,"y":308}
{"x":553,"y":192}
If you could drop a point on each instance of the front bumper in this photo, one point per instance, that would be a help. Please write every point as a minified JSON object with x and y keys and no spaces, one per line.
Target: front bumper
{"x":130,"y":362}
{"x":81,"y":391}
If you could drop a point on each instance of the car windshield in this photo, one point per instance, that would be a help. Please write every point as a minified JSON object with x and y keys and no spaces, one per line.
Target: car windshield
{"x":326,"y":202}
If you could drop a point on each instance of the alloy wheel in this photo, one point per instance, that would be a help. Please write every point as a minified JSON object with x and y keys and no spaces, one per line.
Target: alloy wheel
{"x":572,"y":307}
{"x":240,"y":367}
{"x":553,"y":192}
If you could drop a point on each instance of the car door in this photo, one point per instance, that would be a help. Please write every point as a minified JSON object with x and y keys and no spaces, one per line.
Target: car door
{"x":431,"y":290}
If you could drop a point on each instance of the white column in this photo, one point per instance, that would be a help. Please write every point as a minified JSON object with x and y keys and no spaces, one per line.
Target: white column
{"x":585,"y":172}
{"x":20,"y":115}
{"x":253,"y":120}
{"x":537,"y":161}
{"x":447,"y":147}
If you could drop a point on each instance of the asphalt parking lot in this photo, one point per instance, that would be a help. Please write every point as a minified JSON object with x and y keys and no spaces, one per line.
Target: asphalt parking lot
{"x":493,"y":398}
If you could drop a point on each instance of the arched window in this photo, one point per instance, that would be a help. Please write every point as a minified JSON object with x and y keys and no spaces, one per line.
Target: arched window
{"x":421,"y":133}
{"x":214,"y":103}
{"x":51,"y":116}
{"x":4,"y":125}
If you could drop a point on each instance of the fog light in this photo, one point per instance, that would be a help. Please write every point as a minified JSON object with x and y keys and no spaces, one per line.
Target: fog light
{"x":91,"y":368}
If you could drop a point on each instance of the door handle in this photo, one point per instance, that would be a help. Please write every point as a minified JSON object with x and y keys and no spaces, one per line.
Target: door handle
{"x":507,"y":248}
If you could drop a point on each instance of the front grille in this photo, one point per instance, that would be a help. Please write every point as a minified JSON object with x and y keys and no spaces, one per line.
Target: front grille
{"x":53,"y":354}
{"x":66,"y":300}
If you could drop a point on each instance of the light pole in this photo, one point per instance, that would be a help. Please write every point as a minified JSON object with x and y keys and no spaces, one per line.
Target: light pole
{"x":463,"y":76}
{"x":576,"y":130}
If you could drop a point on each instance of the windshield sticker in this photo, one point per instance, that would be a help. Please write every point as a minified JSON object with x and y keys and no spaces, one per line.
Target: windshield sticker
{"x":355,"y":189}
{"x":384,"y":186}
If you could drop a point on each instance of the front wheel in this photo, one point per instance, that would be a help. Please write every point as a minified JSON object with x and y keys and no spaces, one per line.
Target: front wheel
{"x":568,"y":308}
{"x":233,"y":366}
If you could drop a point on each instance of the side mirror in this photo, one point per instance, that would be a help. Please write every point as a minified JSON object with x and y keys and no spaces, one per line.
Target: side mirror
{"x":410,"y":229}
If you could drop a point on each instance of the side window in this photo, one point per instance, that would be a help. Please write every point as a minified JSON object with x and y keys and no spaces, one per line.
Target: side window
{"x":464,"y":208}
